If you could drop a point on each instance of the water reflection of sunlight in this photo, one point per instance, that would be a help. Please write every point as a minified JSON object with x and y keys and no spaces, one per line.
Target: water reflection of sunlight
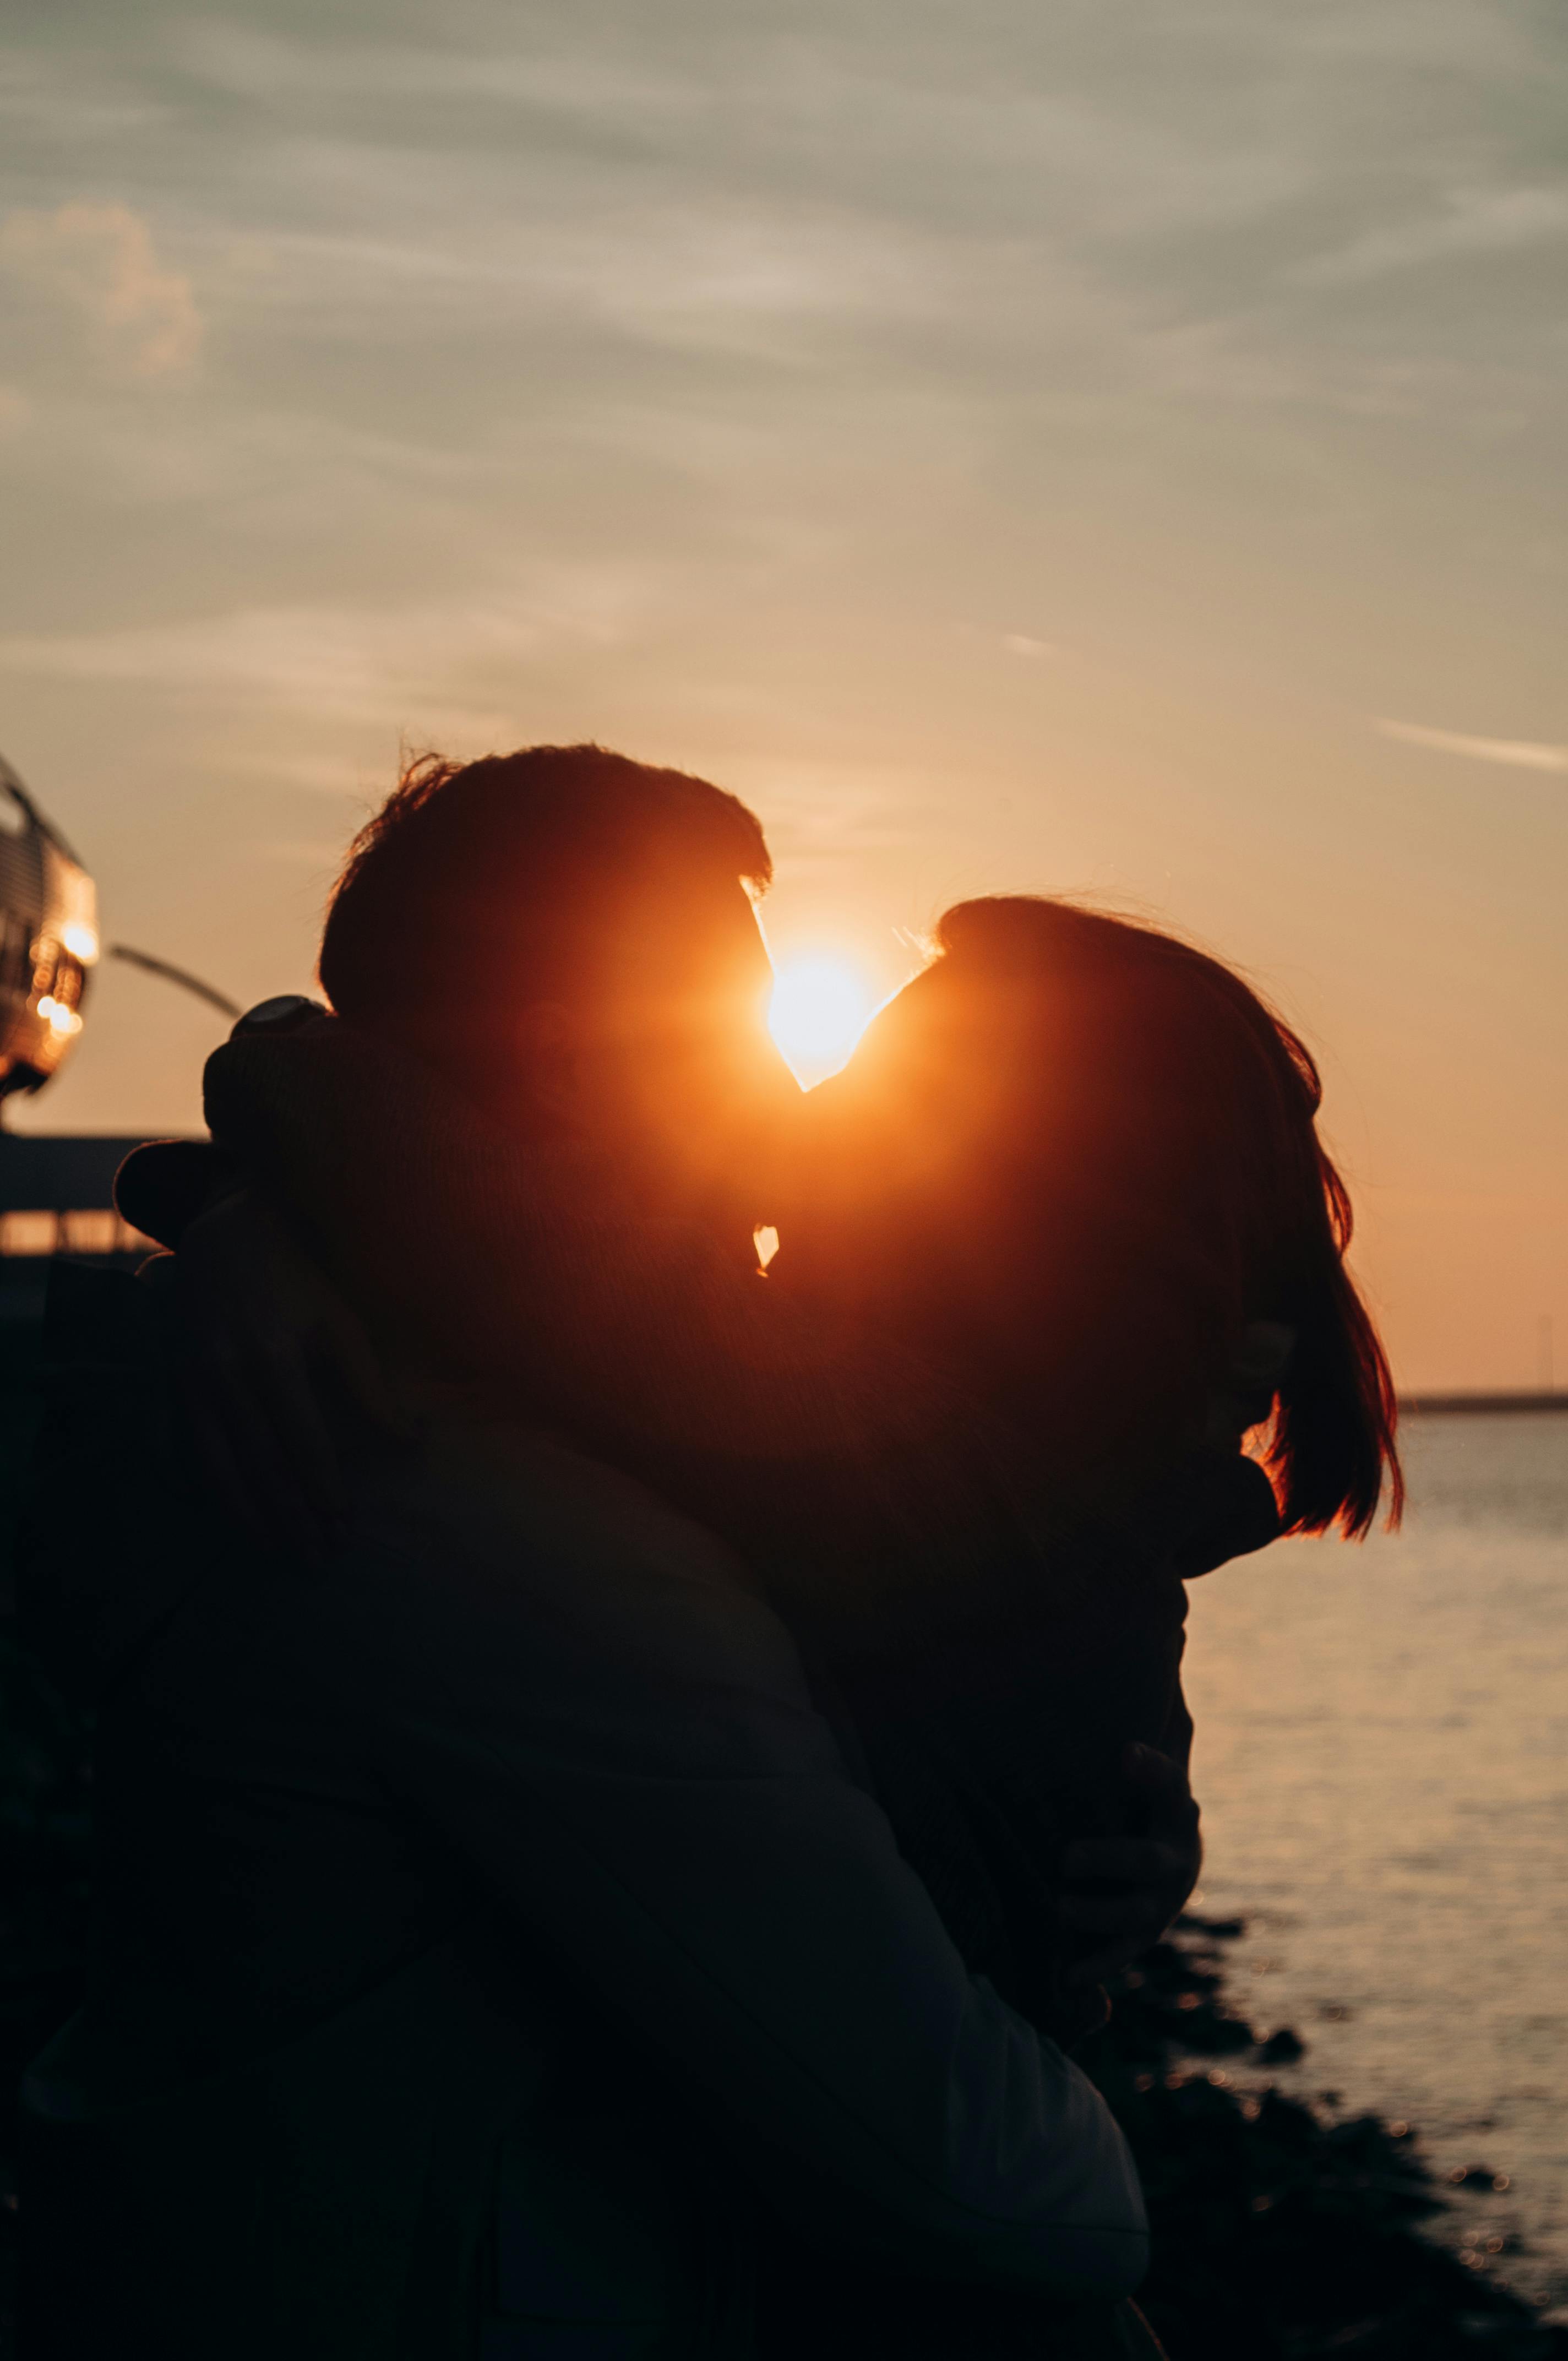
{"x":819,"y":1010}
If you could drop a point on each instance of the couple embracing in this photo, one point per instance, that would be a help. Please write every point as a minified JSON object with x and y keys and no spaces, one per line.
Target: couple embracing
{"x":619,"y":1776}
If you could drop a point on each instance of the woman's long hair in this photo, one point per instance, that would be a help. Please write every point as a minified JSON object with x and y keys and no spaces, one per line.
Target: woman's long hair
{"x":1092,"y":1153}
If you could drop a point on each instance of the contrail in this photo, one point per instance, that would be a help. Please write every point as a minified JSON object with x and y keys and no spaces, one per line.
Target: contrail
{"x":1519,"y":753}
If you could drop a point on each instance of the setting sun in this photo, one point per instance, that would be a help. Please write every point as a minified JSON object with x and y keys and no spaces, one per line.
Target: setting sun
{"x":820,"y":1008}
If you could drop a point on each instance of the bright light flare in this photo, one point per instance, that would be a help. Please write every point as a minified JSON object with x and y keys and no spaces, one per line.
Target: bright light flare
{"x":80,"y":940}
{"x":58,"y":1016}
{"x":820,"y":1008}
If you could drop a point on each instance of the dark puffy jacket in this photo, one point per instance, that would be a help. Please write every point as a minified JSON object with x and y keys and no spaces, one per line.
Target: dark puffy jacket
{"x":481,"y":1927}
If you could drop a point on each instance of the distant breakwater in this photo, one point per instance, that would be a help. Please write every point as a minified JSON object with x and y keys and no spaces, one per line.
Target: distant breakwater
{"x":1521,"y":1405}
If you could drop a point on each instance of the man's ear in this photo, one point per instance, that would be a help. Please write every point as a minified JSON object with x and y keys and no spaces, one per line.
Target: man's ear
{"x":549,"y":1058}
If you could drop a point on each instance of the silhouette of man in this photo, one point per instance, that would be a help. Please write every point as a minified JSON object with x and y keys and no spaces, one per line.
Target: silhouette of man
{"x":490,"y":1928}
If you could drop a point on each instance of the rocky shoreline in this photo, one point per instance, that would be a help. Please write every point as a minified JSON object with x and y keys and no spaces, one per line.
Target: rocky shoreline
{"x":1282,"y":2231}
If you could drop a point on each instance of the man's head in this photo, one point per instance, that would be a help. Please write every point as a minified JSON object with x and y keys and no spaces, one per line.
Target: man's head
{"x":572,"y":937}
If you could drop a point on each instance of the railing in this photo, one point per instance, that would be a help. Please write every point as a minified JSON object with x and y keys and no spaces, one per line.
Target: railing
{"x":83,"y":1230}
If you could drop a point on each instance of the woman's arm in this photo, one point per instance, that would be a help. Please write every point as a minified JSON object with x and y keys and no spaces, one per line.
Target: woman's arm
{"x":1122,"y":1893}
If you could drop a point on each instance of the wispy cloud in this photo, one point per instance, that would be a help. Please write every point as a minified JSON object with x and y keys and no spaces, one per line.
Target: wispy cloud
{"x":342,"y":662}
{"x":98,"y":264}
{"x":1515,"y":754}
{"x":1468,"y":222}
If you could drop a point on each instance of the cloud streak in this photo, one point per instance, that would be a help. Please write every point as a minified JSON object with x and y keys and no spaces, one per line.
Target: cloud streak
{"x":345,"y":664}
{"x":1513,"y":754}
{"x":1471,"y":221}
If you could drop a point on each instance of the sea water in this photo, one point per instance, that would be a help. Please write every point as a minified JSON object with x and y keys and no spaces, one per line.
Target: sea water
{"x":1382,"y":1759}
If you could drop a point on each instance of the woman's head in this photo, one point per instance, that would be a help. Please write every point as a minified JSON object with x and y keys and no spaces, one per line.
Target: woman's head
{"x":1078,"y":1158}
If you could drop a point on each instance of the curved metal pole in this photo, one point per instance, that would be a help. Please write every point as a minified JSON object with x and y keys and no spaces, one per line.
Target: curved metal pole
{"x":180,"y":975}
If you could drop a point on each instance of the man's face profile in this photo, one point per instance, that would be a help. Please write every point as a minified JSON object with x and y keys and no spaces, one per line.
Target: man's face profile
{"x":664,"y":1061}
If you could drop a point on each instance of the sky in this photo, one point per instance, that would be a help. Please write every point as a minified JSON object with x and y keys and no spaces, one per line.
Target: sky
{"x":1092,"y":445}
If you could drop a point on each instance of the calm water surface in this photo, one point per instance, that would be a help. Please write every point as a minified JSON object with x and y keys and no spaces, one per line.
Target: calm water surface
{"x":1382,"y":1757}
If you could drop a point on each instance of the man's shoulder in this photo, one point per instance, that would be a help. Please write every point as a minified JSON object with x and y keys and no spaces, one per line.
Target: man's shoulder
{"x":501,"y":1558}
{"x":503,"y":1480}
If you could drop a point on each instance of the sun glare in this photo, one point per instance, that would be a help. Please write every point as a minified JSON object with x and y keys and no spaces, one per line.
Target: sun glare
{"x":820,"y":1008}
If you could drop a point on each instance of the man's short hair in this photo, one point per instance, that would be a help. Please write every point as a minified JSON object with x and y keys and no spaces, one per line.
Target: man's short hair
{"x":481,"y":886}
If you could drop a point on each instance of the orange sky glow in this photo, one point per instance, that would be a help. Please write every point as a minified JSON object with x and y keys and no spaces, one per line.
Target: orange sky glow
{"x":1060,"y":450}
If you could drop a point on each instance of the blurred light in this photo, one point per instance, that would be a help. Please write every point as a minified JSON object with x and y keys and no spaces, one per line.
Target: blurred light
{"x":90,"y":1230}
{"x":820,"y":1008}
{"x":766,"y":1241}
{"x":57,"y":1016}
{"x":84,"y":1230}
{"x":76,"y":902}
{"x":29,"y":1233}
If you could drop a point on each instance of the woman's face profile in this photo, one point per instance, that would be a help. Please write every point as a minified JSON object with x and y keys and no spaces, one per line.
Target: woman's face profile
{"x":892,"y":1183}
